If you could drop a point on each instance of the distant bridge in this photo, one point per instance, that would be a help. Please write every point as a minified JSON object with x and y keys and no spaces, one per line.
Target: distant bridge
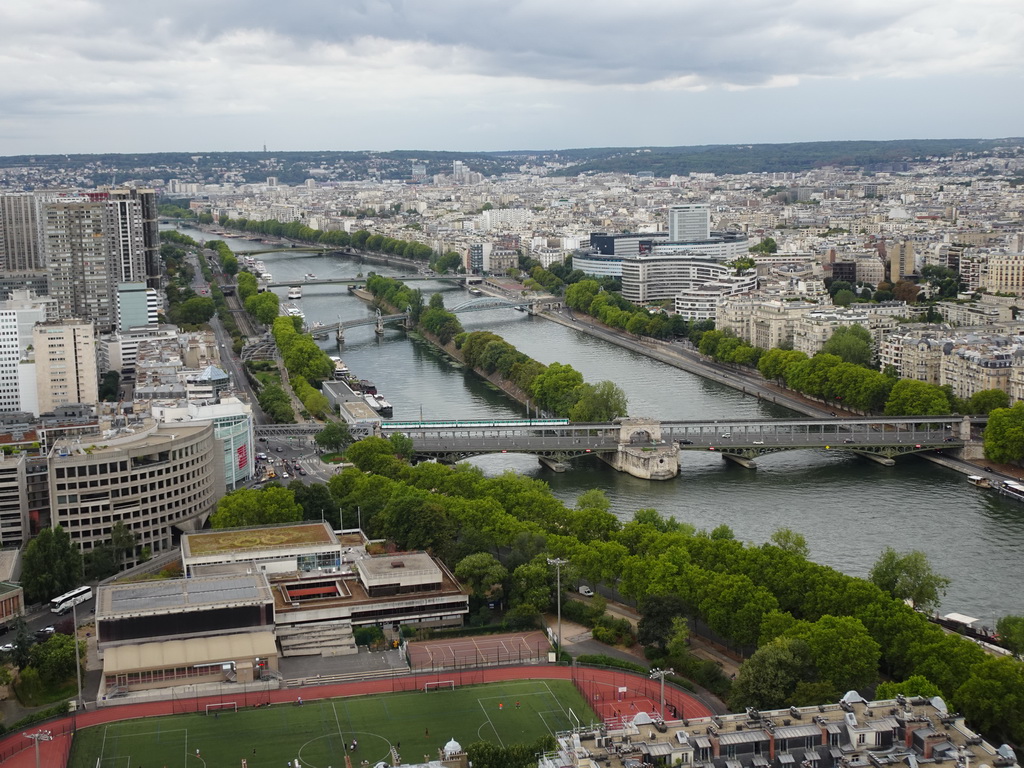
{"x":473,"y":305}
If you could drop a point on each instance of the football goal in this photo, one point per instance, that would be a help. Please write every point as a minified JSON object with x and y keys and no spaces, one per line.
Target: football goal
{"x":223,"y":706}
{"x":439,"y":685}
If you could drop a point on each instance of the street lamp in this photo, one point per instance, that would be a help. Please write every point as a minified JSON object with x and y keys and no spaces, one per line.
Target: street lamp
{"x":78,"y":660}
{"x":558,"y":563}
{"x":37,"y":737}
{"x":659,"y":674}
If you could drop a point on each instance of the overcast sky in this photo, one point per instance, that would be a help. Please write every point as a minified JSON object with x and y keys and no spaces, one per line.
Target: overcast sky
{"x":189,"y":75}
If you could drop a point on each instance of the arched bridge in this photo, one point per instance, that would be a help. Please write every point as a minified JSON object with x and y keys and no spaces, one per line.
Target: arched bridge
{"x":882,"y":439}
{"x":473,"y":305}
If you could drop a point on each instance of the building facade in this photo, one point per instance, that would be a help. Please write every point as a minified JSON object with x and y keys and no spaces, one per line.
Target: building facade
{"x":158,"y":479}
{"x":65,"y":354}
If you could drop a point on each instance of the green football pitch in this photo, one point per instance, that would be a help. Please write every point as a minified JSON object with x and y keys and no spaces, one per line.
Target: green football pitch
{"x":316,"y":732}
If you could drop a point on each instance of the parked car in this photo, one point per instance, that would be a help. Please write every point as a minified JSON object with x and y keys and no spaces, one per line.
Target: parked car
{"x":726,"y":435}
{"x":686,"y":442}
{"x":586,"y":591}
{"x":7,"y":648}
{"x":759,"y":442}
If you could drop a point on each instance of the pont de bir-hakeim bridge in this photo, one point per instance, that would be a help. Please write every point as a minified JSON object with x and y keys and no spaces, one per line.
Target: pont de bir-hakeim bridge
{"x":648,"y":448}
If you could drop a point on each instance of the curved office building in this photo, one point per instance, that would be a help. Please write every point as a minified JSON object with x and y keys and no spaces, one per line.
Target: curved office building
{"x":154,"y":481}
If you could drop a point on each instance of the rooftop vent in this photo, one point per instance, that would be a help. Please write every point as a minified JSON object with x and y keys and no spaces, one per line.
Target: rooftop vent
{"x":398,"y":564}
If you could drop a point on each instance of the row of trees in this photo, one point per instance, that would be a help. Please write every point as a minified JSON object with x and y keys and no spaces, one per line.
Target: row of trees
{"x":433,"y":318}
{"x":557,"y":388}
{"x":300,"y":353}
{"x":361,"y":240}
{"x":588,"y":297}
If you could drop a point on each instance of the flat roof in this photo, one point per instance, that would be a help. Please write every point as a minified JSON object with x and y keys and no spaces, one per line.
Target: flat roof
{"x":181,"y":595}
{"x":387,"y":569}
{"x":167,"y":654}
{"x":256,"y":539}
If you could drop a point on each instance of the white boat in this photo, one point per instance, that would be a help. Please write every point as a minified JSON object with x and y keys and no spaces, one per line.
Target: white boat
{"x":340,"y":369}
{"x":292,"y":311}
{"x":266,"y":277}
{"x":978,"y":480}
{"x":372,"y":402}
{"x":310,"y":276}
{"x":295,"y":292}
{"x":383,"y":405}
{"x":1011,"y":488}
{"x":260,"y":266}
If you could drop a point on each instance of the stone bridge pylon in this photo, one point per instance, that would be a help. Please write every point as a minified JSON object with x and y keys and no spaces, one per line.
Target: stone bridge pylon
{"x":642,"y":451}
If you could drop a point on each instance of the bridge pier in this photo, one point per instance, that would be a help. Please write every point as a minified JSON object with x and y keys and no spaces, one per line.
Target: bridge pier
{"x":885,"y":461}
{"x":642,"y":453}
{"x":743,"y":461}
{"x":552,"y":463}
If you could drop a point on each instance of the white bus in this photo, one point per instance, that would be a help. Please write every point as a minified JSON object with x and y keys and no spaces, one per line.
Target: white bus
{"x":64,"y":603}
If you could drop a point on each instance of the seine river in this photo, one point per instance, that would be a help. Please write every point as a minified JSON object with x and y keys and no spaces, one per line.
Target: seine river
{"x":848,"y":508}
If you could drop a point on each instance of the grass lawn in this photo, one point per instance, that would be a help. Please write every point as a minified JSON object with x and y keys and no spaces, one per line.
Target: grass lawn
{"x":317,"y":732}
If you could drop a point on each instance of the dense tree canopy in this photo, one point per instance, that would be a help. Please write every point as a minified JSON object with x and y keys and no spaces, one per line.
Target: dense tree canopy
{"x":909,"y":577}
{"x":247,"y":507}
{"x":51,"y":566}
{"x":1004,"y":434}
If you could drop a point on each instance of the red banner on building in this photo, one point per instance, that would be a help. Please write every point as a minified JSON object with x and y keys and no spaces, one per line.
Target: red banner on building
{"x":243,"y":456}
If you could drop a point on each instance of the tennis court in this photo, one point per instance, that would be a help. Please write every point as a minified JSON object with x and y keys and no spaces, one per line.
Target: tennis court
{"x":513,"y":648}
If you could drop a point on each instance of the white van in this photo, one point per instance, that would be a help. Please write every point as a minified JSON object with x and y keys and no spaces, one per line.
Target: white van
{"x":586,"y":591}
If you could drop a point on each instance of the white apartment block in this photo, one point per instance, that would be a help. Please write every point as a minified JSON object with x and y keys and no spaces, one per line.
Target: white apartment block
{"x":689,"y":222}
{"x":656,"y":278}
{"x":65,"y":352}
{"x":702,"y":302}
{"x":507,"y":218}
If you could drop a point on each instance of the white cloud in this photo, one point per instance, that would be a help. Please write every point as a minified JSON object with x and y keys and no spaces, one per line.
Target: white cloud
{"x":434,"y":64}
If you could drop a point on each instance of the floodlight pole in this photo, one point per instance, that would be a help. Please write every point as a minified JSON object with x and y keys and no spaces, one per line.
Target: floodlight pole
{"x":78,"y":660}
{"x":37,"y":737}
{"x":659,"y":674}
{"x":558,"y":563}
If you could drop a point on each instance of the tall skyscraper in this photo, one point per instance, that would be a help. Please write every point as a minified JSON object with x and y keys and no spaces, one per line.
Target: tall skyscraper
{"x":137,"y":234}
{"x":81,"y":260}
{"x":21,"y":247}
{"x":689,"y":222}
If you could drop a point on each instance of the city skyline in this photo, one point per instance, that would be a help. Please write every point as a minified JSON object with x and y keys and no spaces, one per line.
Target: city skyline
{"x":86,"y":77}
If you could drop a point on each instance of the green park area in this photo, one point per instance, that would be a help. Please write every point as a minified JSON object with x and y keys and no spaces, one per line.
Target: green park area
{"x":318,"y":733}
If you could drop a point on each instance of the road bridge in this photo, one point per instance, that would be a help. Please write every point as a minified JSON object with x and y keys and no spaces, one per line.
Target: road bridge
{"x":353,"y":281}
{"x":742,"y":441}
{"x":379,"y":320}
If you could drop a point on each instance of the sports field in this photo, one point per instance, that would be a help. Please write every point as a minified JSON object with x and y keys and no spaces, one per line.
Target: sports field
{"x":318,"y":733}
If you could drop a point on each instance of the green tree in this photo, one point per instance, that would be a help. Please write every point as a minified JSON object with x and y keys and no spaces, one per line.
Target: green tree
{"x":992,"y":699}
{"x":768,"y":679}
{"x":316,"y":501}
{"x":1004,"y":434}
{"x":1011,"y":633}
{"x":334,"y":436}
{"x":790,"y":541}
{"x":482,"y":574}
{"x":852,"y":343}
{"x":248,"y":507}
{"x":657,"y":616}
{"x":767,"y":245}
{"x":915,"y":685}
{"x":556,"y":388}
{"x":194,"y":311}
{"x":122,"y":540}
{"x":264,"y":307}
{"x":599,"y":402}
{"x":843,"y":298}
{"x":109,"y":386}
{"x":844,"y":653}
{"x":55,"y":659}
{"x":916,"y":398}
{"x":909,"y":577}
{"x":51,"y":566}
{"x":987,"y":400}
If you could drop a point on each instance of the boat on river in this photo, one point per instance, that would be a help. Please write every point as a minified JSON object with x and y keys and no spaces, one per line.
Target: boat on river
{"x":383,"y":406}
{"x":978,"y":480}
{"x":1010,"y":488}
{"x":295,"y":292}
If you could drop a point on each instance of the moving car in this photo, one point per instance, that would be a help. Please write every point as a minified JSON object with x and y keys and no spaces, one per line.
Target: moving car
{"x":586,"y":591}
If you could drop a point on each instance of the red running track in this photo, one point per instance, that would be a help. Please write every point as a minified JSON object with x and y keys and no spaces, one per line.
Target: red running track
{"x":16,"y":751}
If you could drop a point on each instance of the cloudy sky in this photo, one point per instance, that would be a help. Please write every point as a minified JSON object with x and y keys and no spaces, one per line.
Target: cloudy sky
{"x":141,"y":75}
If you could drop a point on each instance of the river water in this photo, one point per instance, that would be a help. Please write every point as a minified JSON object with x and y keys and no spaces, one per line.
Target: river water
{"x":849,"y":509}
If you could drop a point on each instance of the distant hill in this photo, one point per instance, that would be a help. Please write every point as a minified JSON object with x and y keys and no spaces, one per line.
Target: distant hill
{"x":296,"y":167}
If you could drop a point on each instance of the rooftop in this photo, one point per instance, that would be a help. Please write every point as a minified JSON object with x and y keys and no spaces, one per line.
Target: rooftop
{"x":181,"y":595}
{"x":256,"y":539}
